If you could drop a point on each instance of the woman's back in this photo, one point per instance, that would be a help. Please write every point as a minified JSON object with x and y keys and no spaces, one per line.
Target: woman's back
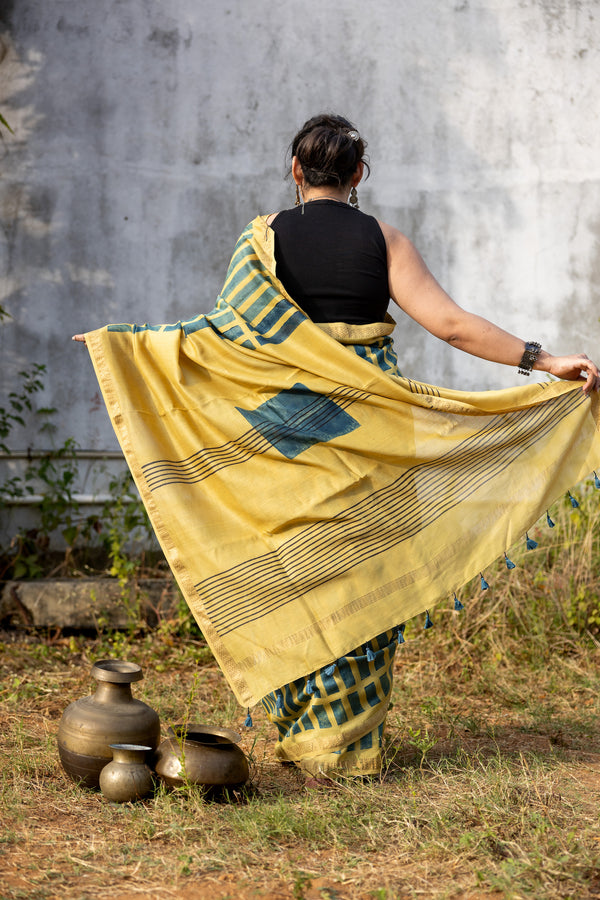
{"x":332,"y":260}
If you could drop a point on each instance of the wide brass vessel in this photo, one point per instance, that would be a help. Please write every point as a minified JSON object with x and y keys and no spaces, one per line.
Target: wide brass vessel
{"x":109,"y":716}
{"x":203,"y":755}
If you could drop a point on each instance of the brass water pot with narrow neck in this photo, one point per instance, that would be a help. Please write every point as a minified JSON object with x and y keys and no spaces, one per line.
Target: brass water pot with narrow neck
{"x":109,"y":716}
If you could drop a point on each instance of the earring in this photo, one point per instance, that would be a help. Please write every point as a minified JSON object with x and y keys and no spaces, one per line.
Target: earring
{"x":354,"y":198}
{"x":298,"y":201}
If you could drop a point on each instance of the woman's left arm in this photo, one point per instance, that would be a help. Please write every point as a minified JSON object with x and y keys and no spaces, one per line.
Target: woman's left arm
{"x":415,"y":290}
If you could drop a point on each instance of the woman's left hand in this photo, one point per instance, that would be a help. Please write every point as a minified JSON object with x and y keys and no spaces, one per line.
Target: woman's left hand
{"x":79,"y":337}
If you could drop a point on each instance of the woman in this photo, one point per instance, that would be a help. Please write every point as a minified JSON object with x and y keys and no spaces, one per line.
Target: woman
{"x":328,"y":163}
{"x":354,"y":498}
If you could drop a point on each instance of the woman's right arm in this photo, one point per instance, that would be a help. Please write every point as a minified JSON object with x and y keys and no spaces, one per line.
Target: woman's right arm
{"x":415,"y":290}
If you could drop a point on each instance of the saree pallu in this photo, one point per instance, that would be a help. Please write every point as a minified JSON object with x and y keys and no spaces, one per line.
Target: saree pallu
{"x":306,"y":500}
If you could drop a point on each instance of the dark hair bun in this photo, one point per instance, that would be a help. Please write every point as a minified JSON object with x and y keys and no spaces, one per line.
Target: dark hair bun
{"x":329,"y":149}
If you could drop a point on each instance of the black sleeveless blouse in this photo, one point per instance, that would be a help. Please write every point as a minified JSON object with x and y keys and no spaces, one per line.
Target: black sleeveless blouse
{"x":332,"y":260}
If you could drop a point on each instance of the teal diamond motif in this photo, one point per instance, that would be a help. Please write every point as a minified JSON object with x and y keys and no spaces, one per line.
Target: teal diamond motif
{"x":295,"y":419}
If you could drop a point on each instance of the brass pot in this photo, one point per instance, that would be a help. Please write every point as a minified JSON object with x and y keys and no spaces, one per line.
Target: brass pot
{"x":109,"y":716}
{"x":127,"y":777}
{"x":202,"y":755}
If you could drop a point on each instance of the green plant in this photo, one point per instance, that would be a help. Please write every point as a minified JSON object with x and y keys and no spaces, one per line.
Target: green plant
{"x":180,"y":728}
{"x":125,"y":526}
{"x":51,"y":476}
{"x":302,"y":882}
{"x":122,"y":527}
{"x":422,"y":741}
{"x":125,"y":531}
{"x":21,"y":400}
{"x":5,"y":124}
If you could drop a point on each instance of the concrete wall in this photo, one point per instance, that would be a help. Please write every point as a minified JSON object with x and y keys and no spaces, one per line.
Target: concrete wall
{"x":148,"y":133}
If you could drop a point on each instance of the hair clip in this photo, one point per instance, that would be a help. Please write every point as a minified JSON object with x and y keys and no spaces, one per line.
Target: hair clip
{"x":353,"y":134}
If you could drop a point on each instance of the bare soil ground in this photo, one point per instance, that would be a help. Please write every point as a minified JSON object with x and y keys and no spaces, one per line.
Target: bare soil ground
{"x":490,"y":787}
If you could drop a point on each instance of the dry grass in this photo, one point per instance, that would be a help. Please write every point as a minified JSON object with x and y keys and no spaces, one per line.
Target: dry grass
{"x":491,"y":780}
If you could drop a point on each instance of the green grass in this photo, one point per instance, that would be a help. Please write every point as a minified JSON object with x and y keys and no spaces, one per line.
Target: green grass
{"x":491,"y":775}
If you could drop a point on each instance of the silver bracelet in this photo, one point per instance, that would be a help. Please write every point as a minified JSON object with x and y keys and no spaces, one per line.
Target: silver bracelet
{"x":530,"y":355}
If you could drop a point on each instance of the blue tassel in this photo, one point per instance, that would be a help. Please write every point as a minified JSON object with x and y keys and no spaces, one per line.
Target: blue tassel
{"x":311,"y":687}
{"x":574,"y":502}
{"x":400,"y":635}
{"x":279,"y":700}
{"x":596,"y":481}
{"x":370,"y":654}
{"x":428,"y":622}
{"x":457,"y":604}
{"x":549,"y":520}
{"x":531,"y":544}
{"x":330,"y":669}
{"x":509,"y":563}
{"x":248,"y":720}
{"x":484,"y":584}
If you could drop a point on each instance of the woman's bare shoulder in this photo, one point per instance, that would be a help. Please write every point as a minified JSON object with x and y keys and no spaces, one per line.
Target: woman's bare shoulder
{"x":271,"y":218}
{"x":393,"y":237}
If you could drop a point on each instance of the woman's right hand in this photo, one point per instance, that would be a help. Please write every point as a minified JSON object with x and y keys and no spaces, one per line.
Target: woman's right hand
{"x":79,"y":337}
{"x":577,"y":367}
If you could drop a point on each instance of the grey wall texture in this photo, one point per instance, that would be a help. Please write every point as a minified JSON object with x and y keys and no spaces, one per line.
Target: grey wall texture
{"x":147,"y":134}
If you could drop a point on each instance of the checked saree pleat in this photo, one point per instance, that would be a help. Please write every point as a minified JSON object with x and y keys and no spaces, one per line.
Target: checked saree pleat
{"x":308,"y":499}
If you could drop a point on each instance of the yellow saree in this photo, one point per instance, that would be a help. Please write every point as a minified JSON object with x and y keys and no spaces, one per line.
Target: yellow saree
{"x":305,"y":499}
